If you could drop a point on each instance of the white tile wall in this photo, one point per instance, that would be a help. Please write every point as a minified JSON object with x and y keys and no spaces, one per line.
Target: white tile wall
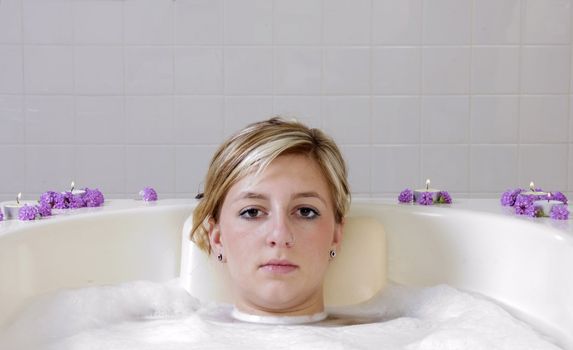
{"x":199,"y":22}
{"x":474,"y":94}
{"x":496,"y":22}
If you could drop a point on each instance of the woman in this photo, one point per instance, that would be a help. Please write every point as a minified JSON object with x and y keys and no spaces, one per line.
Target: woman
{"x":273,"y":209}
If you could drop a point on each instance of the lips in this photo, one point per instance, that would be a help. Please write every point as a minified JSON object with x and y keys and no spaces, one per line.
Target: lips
{"x":279,"y":266}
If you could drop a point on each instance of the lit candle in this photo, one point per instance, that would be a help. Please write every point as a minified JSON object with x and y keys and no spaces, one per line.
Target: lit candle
{"x":74,"y":191}
{"x":533,"y":192}
{"x":11,"y":209}
{"x":434,"y":192}
{"x":545,"y":205}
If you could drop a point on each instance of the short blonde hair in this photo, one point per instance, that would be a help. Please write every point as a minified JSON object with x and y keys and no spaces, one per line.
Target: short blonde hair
{"x":251,"y":150}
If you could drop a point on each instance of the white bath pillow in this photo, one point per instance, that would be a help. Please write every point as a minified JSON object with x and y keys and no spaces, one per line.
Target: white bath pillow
{"x":356,"y":274}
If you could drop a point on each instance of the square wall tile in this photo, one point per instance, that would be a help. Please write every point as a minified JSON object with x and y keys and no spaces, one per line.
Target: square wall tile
{"x":446,"y":166}
{"x":347,"y":71}
{"x":496,"y":22}
{"x":48,"y":69}
{"x":547,"y":22}
{"x":148,"y":70}
{"x":98,"y":22}
{"x":396,"y":70}
{"x":100,"y":120}
{"x":49,"y":119}
{"x":493,"y":168}
{"x":149,"y":119}
{"x":11,"y":75}
{"x":570,"y":168}
{"x":198,"y":70}
{"x":199,"y":119}
{"x":192,"y":163}
{"x":571,"y":118}
{"x":41,"y":160}
{"x":12,"y":178}
{"x":396,"y":120}
{"x":248,"y":22}
{"x":395,"y":168}
{"x":306,"y":109}
{"x":545,"y":69}
{"x":494,"y":119}
{"x":11,"y":21}
{"x":11,"y":119}
{"x":544,"y":119}
{"x":248,"y":70}
{"x":98,"y":70}
{"x":150,"y":166}
{"x":358,"y":163}
{"x":347,"y":119}
{"x":298,"y":70}
{"x":347,"y":22}
{"x":446,"y":22}
{"x":243,"y":110}
{"x":495,"y":70}
{"x":545,"y":165}
{"x":446,"y":70}
{"x":297,"y":22}
{"x":101,"y":167}
{"x":47,"y":22}
{"x":445,"y":119}
{"x":199,"y":22}
{"x":396,"y":22}
{"x":148,"y":22}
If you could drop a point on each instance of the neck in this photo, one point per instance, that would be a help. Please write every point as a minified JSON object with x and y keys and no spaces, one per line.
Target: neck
{"x":278,"y":319}
{"x":311,"y":306}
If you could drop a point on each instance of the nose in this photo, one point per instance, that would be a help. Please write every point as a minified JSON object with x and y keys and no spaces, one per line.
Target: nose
{"x":280,"y":234}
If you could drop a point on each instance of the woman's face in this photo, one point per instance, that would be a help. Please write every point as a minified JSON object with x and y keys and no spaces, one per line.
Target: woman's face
{"x":275,"y":232}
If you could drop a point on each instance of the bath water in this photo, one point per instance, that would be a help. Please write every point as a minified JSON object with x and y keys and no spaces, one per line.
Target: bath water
{"x":145,"y":315}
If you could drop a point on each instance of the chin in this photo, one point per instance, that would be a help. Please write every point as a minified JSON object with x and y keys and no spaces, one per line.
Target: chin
{"x":280,"y":297}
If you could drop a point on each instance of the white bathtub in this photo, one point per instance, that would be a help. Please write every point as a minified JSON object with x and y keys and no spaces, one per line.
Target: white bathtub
{"x":474,"y":245}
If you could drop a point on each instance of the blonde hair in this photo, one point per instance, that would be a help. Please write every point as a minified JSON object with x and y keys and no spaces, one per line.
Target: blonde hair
{"x":251,"y":150}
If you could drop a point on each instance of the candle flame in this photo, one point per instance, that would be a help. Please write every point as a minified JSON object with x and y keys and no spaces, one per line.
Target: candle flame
{"x":73,"y":185}
{"x":548,"y":196}
{"x":427,"y":184}
{"x":532,"y":186}
{"x":18,"y":197}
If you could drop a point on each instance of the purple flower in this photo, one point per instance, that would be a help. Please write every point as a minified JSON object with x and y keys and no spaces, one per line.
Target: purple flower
{"x":523,"y":205}
{"x":93,"y":198}
{"x":60,"y":201}
{"x":44,"y":209}
{"x":69,"y":200}
{"x":28,"y":212}
{"x":558,"y":196}
{"x":508,"y":197}
{"x":426,"y":199}
{"x":559,"y":212}
{"x":444,"y":197}
{"x":75,"y":201}
{"x":1,"y":216}
{"x":148,"y":194}
{"x":49,"y":198}
{"x":533,"y":211}
{"x":406,"y":196}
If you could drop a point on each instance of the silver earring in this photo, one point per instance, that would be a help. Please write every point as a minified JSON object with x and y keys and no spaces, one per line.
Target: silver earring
{"x":332,"y":253}
{"x":220,"y":257}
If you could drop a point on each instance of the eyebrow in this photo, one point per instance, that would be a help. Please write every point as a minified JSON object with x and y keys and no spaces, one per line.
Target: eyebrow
{"x":252,"y":195}
{"x":311,"y":194}
{"x":255,"y":195}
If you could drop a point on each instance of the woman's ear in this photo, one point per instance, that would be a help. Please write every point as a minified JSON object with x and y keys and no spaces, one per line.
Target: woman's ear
{"x":338,"y":230}
{"x":215,"y":238}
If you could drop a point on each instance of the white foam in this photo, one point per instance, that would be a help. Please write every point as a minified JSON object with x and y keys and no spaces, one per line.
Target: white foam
{"x":146,"y":315}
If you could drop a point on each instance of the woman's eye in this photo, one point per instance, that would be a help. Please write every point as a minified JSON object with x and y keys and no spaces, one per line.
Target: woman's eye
{"x":251,"y":213}
{"x":308,"y":213}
